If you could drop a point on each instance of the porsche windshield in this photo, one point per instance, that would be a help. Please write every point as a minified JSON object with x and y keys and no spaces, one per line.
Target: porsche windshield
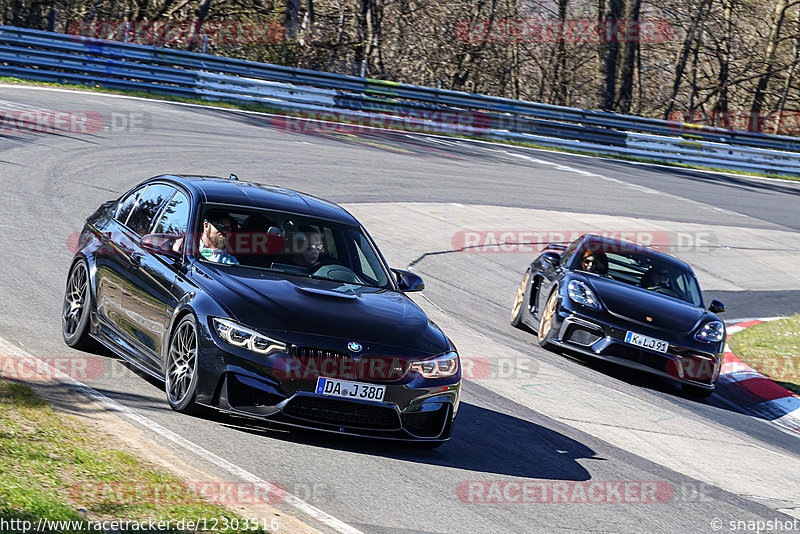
{"x":289,"y":243}
{"x":643,"y":270}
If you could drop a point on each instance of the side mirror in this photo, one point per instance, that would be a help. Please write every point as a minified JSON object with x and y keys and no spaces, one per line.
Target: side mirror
{"x":408,"y":281}
{"x":551,"y":257}
{"x":716,"y":306}
{"x":162,"y":244}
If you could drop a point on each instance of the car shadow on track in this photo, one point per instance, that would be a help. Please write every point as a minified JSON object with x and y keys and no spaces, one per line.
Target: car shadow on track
{"x":483,"y":441}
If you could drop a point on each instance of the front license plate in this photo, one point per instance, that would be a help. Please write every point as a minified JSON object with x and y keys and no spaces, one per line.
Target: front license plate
{"x":350,"y":390}
{"x":647,"y":342}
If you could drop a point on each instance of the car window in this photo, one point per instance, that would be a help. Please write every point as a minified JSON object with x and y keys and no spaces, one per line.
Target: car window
{"x":174,"y":219}
{"x":126,"y":205}
{"x":368,"y":265}
{"x":566,"y":256}
{"x":290,"y":244}
{"x":644,"y":270}
{"x":148,"y":206}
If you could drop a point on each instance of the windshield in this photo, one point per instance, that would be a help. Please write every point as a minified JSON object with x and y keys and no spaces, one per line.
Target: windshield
{"x":642,"y":270}
{"x":289,"y":243}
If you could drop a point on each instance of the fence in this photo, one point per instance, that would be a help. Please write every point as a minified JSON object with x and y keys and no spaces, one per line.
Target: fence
{"x":54,"y":57}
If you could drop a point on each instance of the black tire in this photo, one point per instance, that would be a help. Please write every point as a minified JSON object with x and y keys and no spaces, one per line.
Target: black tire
{"x":77,"y":307}
{"x":545,"y":330}
{"x":696,"y":391}
{"x":519,"y":301}
{"x":182,"y":358}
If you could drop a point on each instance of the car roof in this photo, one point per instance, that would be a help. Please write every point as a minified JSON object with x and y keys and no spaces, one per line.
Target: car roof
{"x":236,"y":192}
{"x":615,"y":245}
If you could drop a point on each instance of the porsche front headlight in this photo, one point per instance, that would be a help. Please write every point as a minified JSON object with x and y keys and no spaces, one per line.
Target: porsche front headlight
{"x":712,"y":332}
{"x":579,"y":292}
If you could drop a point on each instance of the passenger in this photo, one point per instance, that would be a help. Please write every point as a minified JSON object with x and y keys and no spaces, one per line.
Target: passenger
{"x":217,"y":228}
{"x":655,"y":278}
{"x":308,"y":247}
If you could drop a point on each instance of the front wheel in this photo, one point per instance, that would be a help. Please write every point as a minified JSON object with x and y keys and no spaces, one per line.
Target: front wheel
{"x":545,"y":331}
{"x":181,"y":380}
{"x":76,"y":308}
{"x":519,"y":301}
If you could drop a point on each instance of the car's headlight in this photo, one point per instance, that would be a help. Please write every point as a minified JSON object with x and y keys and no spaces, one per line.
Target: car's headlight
{"x":713,"y":332}
{"x":438,"y":367}
{"x":580,"y":293}
{"x":239,"y":336}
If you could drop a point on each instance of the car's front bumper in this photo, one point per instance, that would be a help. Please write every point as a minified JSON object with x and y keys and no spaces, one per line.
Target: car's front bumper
{"x":241,"y":382}
{"x":603,"y":337}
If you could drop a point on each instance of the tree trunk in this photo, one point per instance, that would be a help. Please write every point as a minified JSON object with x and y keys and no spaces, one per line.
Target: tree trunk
{"x":789,"y":80}
{"x":721,"y":107}
{"x":754,"y":123}
{"x":608,"y":64}
{"x":691,"y":35}
{"x":630,"y":52}
{"x":291,"y":19}
{"x":558,"y":91}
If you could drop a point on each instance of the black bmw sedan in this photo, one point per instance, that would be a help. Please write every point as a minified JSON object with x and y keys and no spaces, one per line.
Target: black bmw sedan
{"x":626,"y":304}
{"x":263,"y":302}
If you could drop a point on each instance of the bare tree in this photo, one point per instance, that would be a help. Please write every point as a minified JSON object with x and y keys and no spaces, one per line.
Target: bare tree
{"x":608,"y":64}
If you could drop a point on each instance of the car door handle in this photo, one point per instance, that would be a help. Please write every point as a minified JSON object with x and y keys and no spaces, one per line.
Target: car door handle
{"x":136,"y":260}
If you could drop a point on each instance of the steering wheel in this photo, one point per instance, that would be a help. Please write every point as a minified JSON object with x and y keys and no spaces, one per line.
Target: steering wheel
{"x":339,"y":273}
{"x":664,"y":290}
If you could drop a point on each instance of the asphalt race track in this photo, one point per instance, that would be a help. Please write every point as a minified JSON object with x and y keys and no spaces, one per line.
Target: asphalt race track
{"x":536,"y":414}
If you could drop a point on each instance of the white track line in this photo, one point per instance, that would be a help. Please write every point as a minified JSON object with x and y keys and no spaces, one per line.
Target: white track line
{"x":312,"y":511}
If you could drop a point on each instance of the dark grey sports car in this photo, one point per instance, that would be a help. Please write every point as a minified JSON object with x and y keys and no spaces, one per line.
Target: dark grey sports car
{"x":264,"y":302}
{"x":626,"y":304}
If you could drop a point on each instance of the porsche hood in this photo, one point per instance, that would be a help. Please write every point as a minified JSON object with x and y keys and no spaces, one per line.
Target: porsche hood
{"x":637,"y":304}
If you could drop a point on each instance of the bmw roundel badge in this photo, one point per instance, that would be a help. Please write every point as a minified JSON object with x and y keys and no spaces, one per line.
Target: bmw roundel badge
{"x":354,"y":346}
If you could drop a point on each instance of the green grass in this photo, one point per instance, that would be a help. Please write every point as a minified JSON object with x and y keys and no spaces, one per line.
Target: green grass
{"x":54,"y":467}
{"x":272,"y":109}
{"x":773,"y":349}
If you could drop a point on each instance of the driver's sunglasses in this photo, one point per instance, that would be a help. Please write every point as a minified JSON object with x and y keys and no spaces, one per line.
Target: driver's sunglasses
{"x":589,"y":261}
{"x":318,"y":248}
{"x":221,"y":227}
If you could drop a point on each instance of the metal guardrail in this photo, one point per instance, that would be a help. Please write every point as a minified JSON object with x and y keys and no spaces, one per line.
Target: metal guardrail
{"x":54,"y":57}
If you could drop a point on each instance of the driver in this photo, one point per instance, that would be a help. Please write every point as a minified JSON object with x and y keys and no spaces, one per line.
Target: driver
{"x":217,"y":227}
{"x":594,"y":262}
